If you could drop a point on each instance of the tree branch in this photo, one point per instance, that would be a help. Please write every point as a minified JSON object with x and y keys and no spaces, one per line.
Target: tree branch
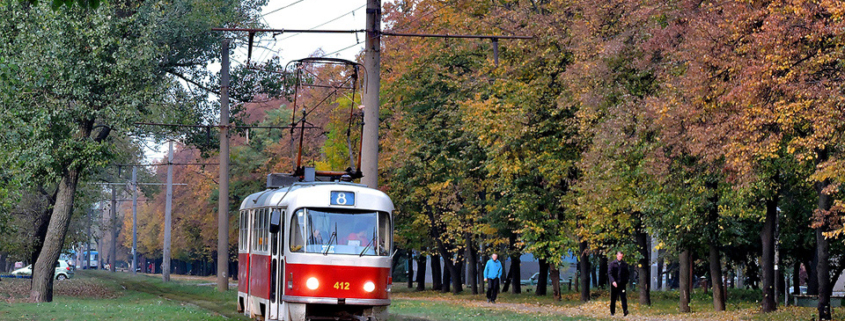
{"x":216,"y":92}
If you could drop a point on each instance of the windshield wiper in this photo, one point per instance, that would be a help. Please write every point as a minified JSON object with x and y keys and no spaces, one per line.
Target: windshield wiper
{"x":331,"y":239}
{"x":368,"y":245}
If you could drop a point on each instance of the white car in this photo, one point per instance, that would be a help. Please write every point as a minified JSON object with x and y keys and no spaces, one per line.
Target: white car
{"x":63,"y":270}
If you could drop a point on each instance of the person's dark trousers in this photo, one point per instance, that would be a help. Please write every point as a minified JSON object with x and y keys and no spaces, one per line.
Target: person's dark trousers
{"x":623,"y":296}
{"x":492,"y":289}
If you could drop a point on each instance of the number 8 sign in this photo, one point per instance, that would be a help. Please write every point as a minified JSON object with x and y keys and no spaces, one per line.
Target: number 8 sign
{"x":342,"y":198}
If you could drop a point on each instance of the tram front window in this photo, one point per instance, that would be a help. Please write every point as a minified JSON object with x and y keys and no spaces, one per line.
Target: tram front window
{"x":340,"y":232}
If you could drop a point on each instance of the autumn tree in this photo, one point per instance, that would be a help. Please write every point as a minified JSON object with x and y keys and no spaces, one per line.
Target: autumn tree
{"x":753,"y":82}
{"x":105,"y":68}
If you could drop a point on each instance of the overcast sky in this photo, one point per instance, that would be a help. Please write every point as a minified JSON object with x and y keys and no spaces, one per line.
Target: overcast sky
{"x":313,"y":14}
{"x":300,"y":14}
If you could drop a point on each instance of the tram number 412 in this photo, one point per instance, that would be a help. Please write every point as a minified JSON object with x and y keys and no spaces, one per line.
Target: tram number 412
{"x":343,"y":198}
{"x":341,"y":285}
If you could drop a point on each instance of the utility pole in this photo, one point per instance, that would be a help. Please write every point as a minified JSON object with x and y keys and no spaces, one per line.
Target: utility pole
{"x":223,"y":195}
{"x":134,"y":220}
{"x":372,"y":63}
{"x":165,"y":264}
{"x":113,"y":250}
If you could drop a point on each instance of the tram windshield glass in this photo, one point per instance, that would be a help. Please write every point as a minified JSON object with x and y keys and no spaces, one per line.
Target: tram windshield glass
{"x":340,"y":232}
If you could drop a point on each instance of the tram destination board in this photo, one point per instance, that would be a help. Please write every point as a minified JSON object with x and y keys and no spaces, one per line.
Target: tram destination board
{"x":342,"y":198}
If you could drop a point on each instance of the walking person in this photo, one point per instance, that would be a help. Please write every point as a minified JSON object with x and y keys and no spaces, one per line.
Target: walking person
{"x":617,"y":272}
{"x":492,"y":275}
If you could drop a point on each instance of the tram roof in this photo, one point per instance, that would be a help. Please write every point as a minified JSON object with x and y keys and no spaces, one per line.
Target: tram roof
{"x":318,"y":194}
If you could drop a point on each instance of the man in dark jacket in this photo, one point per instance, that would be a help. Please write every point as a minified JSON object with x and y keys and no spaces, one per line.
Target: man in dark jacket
{"x":617,"y":272}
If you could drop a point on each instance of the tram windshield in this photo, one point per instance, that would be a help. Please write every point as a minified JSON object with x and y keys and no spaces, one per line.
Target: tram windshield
{"x":340,"y":232}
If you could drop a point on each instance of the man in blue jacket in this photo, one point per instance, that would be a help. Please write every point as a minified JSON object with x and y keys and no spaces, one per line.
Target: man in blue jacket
{"x":492,"y":272}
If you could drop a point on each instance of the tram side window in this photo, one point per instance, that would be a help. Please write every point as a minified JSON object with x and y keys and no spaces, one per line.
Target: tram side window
{"x":297,"y":224}
{"x":246,"y":230}
{"x":241,"y":231}
{"x":265,"y":229}
{"x":253,"y":246}
{"x":385,"y":234}
{"x":262,"y":238}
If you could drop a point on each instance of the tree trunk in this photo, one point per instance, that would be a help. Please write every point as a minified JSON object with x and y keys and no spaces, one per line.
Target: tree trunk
{"x":594,"y":278}
{"x":767,"y":236}
{"x":685,"y":280}
{"x":515,"y":271}
{"x":578,"y":274}
{"x":812,"y":273}
{"x":410,"y":269}
{"x":508,"y":277}
{"x":585,"y":271}
{"x":554,"y":273}
{"x":796,"y":277}
{"x":472,"y":275}
{"x":643,"y":267}
{"x":421,"y":262}
{"x":449,"y":267}
{"x":753,"y":275}
{"x":542,"y":279}
{"x":823,"y":251}
{"x":660,"y":270}
{"x":716,"y":276}
{"x":44,"y":267}
{"x":436,"y":283}
{"x":113,"y":225}
{"x":447,"y":276}
{"x":459,"y":274}
{"x":603,"y":271}
{"x":480,"y":267}
{"x":714,"y":257}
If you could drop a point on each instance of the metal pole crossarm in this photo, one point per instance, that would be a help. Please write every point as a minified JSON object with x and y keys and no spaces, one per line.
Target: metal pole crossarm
{"x":165,"y":164}
{"x":127,"y":183}
{"x":281,"y":31}
{"x":431,"y":35}
{"x":276,"y":127}
{"x":219,"y":126}
{"x":174,"y":125}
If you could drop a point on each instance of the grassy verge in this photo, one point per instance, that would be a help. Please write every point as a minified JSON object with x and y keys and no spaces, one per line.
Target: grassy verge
{"x":98,"y":295}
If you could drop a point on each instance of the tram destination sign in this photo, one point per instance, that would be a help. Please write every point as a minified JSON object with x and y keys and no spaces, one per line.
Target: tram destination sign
{"x":342,"y":198}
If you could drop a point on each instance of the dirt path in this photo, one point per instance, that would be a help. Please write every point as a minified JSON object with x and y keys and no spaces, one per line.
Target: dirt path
{"x":181,"y":297}
{"x":597,"y":309}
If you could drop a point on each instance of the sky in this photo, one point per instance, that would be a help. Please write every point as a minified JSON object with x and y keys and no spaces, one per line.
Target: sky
{"x":313,"y":14}
{"x":299,"y":14}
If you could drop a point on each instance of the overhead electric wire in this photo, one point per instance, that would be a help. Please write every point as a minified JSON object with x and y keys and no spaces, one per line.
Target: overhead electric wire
{"x":327,"y":22}
{"x":339,"y":50}
{"x":276,"y":42}
{"x":282,"y":8}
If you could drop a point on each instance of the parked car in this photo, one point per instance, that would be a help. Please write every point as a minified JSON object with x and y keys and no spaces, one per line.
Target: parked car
{"x":533,"y":280}
{"x":63,"y":270}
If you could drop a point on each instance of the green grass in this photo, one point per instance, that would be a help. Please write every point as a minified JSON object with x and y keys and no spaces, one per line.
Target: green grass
{"x":98,"y":295}
{"x":135,"y":306}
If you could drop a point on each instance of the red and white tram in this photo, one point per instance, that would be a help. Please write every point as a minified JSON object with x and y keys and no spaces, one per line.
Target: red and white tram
{"x":315,"y":250}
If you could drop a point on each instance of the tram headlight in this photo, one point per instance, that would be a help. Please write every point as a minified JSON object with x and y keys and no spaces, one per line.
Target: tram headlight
{"x":312,"y":283}
{"x":369,"y":286}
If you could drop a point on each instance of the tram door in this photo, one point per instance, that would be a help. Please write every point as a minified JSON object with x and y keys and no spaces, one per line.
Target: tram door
{"x":277,"y":264}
